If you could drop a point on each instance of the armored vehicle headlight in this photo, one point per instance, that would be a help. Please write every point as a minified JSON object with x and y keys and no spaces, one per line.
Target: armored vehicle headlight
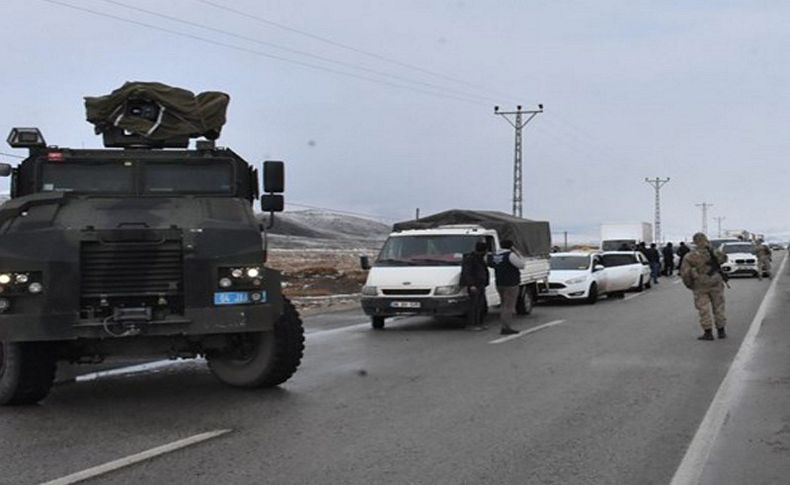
{"x":4,"y":304}
{"x":35,"y":287}
{"x":253,"y":272}
{"x":5,"y":279}
{"x":237,"y":273}
{"x":22,"y":278}
{"x":225,"y":282}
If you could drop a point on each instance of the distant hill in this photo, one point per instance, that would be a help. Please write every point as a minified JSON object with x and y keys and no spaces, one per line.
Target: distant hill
{"x":325,"y":229}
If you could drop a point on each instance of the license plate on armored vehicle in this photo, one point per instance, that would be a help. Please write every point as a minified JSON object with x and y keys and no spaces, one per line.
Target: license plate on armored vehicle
{"x":405,"y":304}
{"x":231,"y":298}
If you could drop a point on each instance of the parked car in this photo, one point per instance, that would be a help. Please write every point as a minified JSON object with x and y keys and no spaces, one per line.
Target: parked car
{"x":741,"y":259}
{"x":575,"y":276}
{"x":626,"y":271}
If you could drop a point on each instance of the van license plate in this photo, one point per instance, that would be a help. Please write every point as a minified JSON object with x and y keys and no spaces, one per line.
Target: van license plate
{"x":231,"y":298}
{"x":405,"y":304}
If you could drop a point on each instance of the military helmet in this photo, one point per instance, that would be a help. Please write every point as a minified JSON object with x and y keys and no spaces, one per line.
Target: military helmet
{"x":700,"y":239}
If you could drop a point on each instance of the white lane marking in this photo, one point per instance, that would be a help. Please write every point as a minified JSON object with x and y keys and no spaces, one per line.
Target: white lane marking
{"x":136,"y":458}
{"x":631,"y":297}
{"x":526,"y":332}
{"x":693,"y":464}
{"x":133,"y":369}
{"x":321,"y":333}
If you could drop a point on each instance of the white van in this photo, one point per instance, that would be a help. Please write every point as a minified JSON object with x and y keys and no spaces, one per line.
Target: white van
{"x":418,"y":271}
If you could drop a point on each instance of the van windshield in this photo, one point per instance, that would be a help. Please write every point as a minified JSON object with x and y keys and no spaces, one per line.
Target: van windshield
{"x":426,"y":250}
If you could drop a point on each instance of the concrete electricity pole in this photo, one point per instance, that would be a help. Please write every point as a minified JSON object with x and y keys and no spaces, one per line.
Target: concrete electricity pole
{"x":718,"y":220}
{"x":705,"y":206}
{"x":518,"y":123}
{"x":657,"y":183}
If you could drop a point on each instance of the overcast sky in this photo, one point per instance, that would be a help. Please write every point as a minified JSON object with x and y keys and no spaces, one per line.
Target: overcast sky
{"x":382,"y":107}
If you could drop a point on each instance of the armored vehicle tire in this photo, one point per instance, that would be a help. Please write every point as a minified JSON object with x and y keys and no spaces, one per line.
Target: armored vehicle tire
{"x":525,"y":302}
{"x":263,"y":359}
{"x":377,"y":322}
{"x":27,"y":370}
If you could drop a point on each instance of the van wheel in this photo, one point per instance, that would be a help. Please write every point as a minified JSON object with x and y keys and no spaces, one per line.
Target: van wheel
{"x":592,"y":296}
{"x":377,"y":322}
{"x":27,"y":370}
{"x":262,"y":359}
{"x":525,"y":302}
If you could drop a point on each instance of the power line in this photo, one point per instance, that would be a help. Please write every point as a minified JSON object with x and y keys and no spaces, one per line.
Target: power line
{"x":297,"y":51}
{"x":12,"y":155}
{"x":259,"y":53}
{"x":341,"y":45}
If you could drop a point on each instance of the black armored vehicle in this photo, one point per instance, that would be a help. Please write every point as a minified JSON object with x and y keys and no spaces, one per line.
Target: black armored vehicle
{"x":144,"y":248}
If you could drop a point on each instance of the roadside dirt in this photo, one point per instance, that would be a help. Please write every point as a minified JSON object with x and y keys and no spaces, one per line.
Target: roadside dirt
{"x":319,"y":280}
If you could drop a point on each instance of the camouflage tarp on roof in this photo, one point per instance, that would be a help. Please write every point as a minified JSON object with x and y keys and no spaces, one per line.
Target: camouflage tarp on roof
{"x":530,"y":238}
{"x":181,"y":113}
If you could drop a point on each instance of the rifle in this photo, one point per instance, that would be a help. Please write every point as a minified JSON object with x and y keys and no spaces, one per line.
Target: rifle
{"x":715,"y":267}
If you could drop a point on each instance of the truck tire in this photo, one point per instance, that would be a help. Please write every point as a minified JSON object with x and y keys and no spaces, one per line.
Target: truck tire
{"x":377,"y":322}
{"x":525,"y":302}
{"x":263,"y":359}
{"x":27,"y":370}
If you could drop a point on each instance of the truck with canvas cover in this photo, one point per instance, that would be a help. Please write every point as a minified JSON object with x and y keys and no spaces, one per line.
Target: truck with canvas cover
{"x":418,"y":270}
{"x":140,"y":250}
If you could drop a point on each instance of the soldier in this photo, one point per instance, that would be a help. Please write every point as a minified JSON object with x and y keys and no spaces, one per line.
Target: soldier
{"x":763,"y":253}
{"x":701,"y":273}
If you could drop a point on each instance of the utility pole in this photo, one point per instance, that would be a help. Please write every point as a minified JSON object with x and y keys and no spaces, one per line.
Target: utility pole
{"x":718,"y":220}
{"x":518,"y":123}
{"x":705,"y":206}
{"x":417,"y":214}
{"x":657,"y":183}
{"x":566,"y":240}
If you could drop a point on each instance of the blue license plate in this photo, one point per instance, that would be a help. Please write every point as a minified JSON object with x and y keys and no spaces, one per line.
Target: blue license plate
{"x":231,"y":298}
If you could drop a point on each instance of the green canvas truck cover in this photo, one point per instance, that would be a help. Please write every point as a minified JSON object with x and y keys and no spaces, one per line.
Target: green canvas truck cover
{"x":181,"y":112}
{"x":530,"y":238}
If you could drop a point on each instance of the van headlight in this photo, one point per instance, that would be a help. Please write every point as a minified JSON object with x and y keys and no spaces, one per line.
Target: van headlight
{"x":447,"y":290}
{"x":370,"y":290}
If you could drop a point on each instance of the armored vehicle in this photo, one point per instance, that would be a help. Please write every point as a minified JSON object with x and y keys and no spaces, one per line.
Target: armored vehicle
{"x":148,"y":248}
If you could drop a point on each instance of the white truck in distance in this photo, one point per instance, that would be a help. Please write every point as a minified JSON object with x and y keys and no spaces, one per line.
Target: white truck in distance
{"x":418,"y":270}
{"x":618,"y":237}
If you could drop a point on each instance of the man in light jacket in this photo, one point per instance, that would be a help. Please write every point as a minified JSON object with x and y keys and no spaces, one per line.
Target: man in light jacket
{"x":507,"y":264}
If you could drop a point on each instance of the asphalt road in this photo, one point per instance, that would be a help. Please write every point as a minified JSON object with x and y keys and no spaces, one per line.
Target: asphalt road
{"x":608,"y":394}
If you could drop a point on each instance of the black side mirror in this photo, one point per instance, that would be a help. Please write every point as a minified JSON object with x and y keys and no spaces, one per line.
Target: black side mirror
{"x":272,"y":203}
{"x":364,"y":262}
{"x":5,"y":170}
{"x":273,"y":177}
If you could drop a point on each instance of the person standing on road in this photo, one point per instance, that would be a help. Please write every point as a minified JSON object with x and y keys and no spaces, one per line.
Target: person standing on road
{"x":642,"y":248}
{"x":475,"y":277}
{"x":654,"y":258}
{"x":701,"y":273}
{"x":506,"y":264}
{"x":683,"y":250}
{"x":669,"y":259}
{"x":763,"y":253}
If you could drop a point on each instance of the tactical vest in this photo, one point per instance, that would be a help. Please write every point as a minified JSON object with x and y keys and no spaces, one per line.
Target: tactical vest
{"x":506,"y":273}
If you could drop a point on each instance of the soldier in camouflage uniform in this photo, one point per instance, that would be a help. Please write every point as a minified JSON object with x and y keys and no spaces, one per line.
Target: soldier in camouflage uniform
{"x":701,"y":274}
{"x":763,"y":253}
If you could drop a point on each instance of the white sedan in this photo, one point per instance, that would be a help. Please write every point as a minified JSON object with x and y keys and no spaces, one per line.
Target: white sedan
{"x":626,"y":271}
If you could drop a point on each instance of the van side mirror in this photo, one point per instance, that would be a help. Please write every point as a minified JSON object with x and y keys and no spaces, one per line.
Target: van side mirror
{"x":273,"y":177}
{"x":5,"y":170}
{"x":364,"y":262}
{"x":272,"y":203}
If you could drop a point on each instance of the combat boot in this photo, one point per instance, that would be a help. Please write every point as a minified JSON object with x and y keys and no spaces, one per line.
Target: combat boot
{"x":708,"y":335}
{"x":722,"y":333}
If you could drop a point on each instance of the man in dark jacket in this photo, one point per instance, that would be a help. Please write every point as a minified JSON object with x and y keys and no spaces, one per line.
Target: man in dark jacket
{"x":507,"y":265}
{"x":475,"y":277}
{"x":655,"y":262}
{"x":669,"y":259}
{"x":683,"y":250}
